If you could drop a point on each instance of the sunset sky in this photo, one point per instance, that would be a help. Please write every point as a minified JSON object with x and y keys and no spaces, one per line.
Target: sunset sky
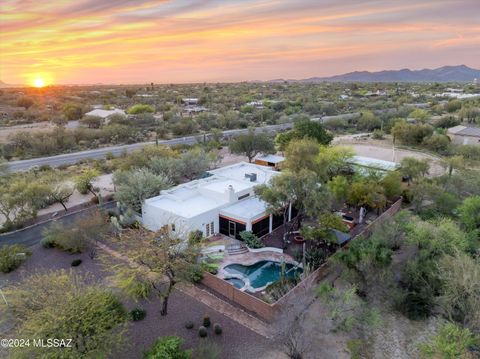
{"x":137,"y":41}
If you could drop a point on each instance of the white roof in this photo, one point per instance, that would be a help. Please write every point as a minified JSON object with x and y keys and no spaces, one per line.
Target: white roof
{"x":104,"y":113}
{"x":190,"y":207}
{"x":374,"y":163}
{"x":196,"y":197}
{"x":237,"y":171}
{"x":246,"y":209}
{"x":271,"y":158}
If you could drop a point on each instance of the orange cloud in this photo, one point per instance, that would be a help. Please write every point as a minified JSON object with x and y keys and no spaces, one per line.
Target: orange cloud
{"x":211,"y":40}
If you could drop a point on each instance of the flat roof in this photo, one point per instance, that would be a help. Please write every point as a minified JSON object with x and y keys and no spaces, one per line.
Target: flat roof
{"x":237,"y":172}
{"x":271,"y":158}
{"x":221,"y":186}
{"x":374,"y":163}
{"x":246,"y":209}
{"x":190,"y":207}
{"x":104,"y":113}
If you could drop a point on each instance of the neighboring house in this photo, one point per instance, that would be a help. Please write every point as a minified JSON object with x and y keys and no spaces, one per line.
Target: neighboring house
{"x":463,"y":135}
{"x":191,"y":101}
{"x":222,"y":203}
{"x":105,"y":114}
{"x":366,"y":164}
{"x":273,"y":161}
{"x":256,"y":104}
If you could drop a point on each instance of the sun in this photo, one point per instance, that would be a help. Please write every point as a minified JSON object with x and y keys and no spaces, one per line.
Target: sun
{"x":38,"y":82}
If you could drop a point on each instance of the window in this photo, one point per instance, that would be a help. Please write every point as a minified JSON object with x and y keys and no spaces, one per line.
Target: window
{"x":243,"y":196}
{"x":212,"y":229}
{"x":207,"y":230}
{"x":173,"y":227}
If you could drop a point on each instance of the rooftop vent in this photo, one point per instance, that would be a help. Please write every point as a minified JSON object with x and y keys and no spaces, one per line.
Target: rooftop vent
{"x":251,"y":176}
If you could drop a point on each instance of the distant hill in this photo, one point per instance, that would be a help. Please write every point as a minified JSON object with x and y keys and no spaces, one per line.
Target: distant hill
{"x":459,"y":73}
{"x":4,"y":85}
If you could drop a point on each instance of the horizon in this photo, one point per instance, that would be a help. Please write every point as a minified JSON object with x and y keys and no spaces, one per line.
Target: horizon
{"x":182,"y":42}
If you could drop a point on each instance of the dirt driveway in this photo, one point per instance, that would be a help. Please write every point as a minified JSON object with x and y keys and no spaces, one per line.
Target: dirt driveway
{"x":383,"y":150}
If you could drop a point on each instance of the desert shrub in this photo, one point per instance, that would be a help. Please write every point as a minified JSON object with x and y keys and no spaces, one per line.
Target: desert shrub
{"x":206,"y":321}
{"x":66,"y":239}
{"x":195,"y":237}
{"x":168,"y":348}
{"x":189,"y":324}
{"x":47,"y":242}
{"x":217,"y":328}
{"x":12,"y":256}
{"x":378,"y":134}
{"x":451,"y":342}
{"x":194,"y":273}
{"x":202,"y":332}
{"x":138,"y":314}
{"x":76,"y":262}
{"x":251,"y":240}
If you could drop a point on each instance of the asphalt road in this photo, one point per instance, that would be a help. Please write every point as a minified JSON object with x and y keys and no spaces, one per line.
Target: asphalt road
{"x":32,"y":235}
{"x":72,"y":158}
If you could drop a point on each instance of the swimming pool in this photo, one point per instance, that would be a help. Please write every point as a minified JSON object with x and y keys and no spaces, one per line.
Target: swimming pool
{"x":236,"y":282}
{"x":260,"y":274}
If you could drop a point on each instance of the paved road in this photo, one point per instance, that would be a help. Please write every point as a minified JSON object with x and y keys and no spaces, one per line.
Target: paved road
{"x":32,"y":235}
{"x":72,"y":158}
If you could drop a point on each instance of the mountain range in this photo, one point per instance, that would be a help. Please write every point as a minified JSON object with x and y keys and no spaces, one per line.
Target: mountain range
{"x":459,"y":73}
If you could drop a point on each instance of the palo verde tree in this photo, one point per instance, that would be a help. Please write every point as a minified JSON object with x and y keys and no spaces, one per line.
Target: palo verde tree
{"x":156,"y":263}
{"x":251,"y":144}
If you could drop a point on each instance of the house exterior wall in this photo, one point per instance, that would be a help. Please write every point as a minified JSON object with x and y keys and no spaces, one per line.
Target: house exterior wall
{"x":464,"y":140}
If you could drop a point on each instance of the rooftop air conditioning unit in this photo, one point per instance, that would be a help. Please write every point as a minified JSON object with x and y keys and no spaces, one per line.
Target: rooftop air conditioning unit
{"x":251,"y":176}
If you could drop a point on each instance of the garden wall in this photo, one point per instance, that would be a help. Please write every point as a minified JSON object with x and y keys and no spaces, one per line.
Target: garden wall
{"x":263,"y":310}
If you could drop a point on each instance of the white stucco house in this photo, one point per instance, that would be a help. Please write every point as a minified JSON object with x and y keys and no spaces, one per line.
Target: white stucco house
{"x":223,"y":203}
{"x":105,"y":114}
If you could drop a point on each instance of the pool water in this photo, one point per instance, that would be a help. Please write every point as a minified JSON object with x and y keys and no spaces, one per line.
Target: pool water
{"x":262,"y":273}
{"x":236,"y":282}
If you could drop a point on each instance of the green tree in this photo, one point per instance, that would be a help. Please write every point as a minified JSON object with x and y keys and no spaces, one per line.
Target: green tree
{"x":156,"y":264}
{"x":168,"y":348}
{"x":91,"y":121}
{"x":12,"y":256}
{"x":452,"y":342}
{"x":453,"y":163}
{"x":300,"y":190}
{"x":133,"y":187}
{"x":140,"y":108}
{"x":251,"y":144}
{"x":63,"y":304}
{"x":368,"y":121}
{"x":84,"y":182}
{"x":72,"y":111}
{"x":413,"y":168}
{"x":469,"y":212}
{"x":339,"y":186}
{"x":301,"y":154}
